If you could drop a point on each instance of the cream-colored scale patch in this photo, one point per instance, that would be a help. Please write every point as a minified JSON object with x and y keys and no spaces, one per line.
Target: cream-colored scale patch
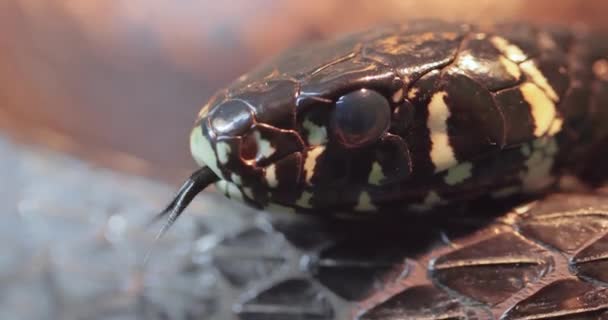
{"x":511,"y":67}
{"x":442,"y":153}
{"x":510,"y":50}
{"x":311,"y":161}
{"x":376,"y":175}
{"x":202,"y":151}
{"x":542,"y":108}
{"x":271,"y":176}
{"x":532,"y":71}
{"x":265,"y":149}
{"x":304,"y":200}
{"x":317,"y":135}
{"x":459,"y":173}
{"x":365,"y":203}
{"x":223,"y":151}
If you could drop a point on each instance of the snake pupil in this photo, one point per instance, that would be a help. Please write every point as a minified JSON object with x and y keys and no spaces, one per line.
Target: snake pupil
{"x":360,"y":117}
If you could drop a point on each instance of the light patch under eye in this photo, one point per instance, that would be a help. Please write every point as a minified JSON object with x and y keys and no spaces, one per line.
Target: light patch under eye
{"x":223,"y":151}
{"x":265,"y":149}
{"x":317,"y":134}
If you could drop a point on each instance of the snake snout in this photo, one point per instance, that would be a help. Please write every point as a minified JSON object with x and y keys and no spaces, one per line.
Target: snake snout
{"x":249,"y":154}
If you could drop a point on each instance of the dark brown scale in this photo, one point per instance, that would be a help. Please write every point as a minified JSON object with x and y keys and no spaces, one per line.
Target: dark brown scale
{"x":480,"y":60}
{"x":518,"y":122}
{"x":475,"y":125}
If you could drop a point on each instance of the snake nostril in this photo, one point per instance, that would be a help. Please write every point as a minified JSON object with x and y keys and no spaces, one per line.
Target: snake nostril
{"x":231,"y":118}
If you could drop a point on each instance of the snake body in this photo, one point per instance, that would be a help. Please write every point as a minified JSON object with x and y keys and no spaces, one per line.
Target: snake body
{"x":406,"y":117}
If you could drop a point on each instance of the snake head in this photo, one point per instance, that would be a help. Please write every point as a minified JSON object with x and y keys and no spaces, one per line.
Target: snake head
{"x":422,"y":114}
{"x":314,"y":143}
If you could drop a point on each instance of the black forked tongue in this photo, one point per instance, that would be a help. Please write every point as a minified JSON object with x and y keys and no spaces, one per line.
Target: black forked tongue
{"x":197,"y":182}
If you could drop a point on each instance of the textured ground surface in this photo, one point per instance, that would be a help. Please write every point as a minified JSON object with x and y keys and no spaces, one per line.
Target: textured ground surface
{"x":72,"y":239}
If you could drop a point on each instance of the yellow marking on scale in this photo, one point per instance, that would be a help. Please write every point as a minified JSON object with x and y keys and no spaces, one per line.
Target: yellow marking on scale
{"x":376,"y":175}
{"x":542,"y":108}
{"x":311,"y":161}
{"x":365,"y":202}
{"x":317,"y":135}
{"x":458,"y":173}
{"x":511,"y":51}
{"x":531,"y":70}
{"x":271,"y":176}
{"x":511,"y":67}
{"x":442,"y":154}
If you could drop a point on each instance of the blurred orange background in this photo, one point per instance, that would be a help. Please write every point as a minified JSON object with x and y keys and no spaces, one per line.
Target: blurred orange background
{"x":121,"y":81}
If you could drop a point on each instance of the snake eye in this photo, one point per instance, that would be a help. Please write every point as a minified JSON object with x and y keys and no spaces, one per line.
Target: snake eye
{"x":360,"y":117}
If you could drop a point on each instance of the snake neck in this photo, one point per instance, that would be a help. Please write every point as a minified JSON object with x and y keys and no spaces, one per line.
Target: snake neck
{"x":585,"y":108}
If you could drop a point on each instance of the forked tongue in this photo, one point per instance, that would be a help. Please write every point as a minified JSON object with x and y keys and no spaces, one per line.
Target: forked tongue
{"x":196,"y":183}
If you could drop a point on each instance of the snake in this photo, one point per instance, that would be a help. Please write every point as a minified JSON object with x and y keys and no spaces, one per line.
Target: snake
{"x":406,"y":117}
